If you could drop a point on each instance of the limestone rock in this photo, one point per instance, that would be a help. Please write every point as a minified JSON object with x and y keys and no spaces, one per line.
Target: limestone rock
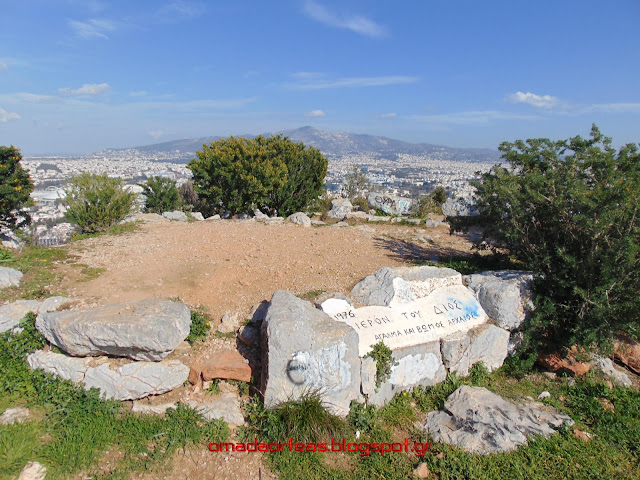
{"x":305,"y":350}
{"x":213,"y":217}
{"x":320,"y":300}
{"x":14,"y":415}
{"x":197,"y":216}
{"x":141,"y":330}
{"x":143,"y":407}
{"x":340,"y":224}
{"x":175,"y":215}
{"x":230,"y":323}
{"x":12,"y":313}
{"x":317,"y":222}
{"x":480,"y":421}
{"x":358,"y":216}
{"x":379,"y":218}
{"x":608,"y":368}
{"x":249,"y":335}
{"x":300,"y":218}
{"x":504,"y":294}
{"x":459,"y":207}
{"x":136,"y":379}
{"x":33,"y":471}
{"x":9,"y":277}
{"x":257,"y":214}
{"x":420,"y":365}
{"x":422,"y":471}
{"x":390,"y":204}
{"x":393,"y":286}
{"x":227,"y":365}
{"x":484,"y":343}
{"x":339,"y":208}
{"x":130,"y":381}
{"x":54,"y":304}
{"x":627,"y":351}
{"x":226,"y":407}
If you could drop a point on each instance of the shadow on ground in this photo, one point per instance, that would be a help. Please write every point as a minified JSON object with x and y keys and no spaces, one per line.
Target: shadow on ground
{"x":403,"y":250}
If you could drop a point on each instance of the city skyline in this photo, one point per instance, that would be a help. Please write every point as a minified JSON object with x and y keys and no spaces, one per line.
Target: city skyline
{"x":81,"y":76}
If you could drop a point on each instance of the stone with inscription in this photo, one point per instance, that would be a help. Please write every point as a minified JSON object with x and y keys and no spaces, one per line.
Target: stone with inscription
{"x":390,"y":204}
{"x":304,"y":350}
{"x":420,"y":365}
{"x":401,"y":285}
{"x":444,"y":311}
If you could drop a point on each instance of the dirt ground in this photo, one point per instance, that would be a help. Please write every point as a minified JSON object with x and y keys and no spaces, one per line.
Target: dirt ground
{"x":232,"y":265}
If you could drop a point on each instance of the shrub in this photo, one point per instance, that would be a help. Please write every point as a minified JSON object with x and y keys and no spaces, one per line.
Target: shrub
{"x":162,"y":195}
{"x":190,"y":199}
{"x":97,"y":202}
{"x":384,"y":362}
{"x":569,"y":210}
{"x":356,"y":183}
{"x":273,"y":174}
{"x":15,"y":188}
{"x":431,"y":203}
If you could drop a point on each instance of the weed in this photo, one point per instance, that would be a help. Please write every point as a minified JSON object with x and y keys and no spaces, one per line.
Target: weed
{"x":214,"y":386}
{"x":200,"y":326}
{"x":384,"y":362}
{"x":363,"y":417}
{"x":243,"y":387}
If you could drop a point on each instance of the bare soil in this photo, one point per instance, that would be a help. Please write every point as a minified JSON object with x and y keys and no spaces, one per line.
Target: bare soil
{"x":231,"y":266}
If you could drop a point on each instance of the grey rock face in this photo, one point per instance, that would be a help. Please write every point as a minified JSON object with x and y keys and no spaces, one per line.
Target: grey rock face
{"x":608,"y":368}
{"x":12,"y":313}
{"x":9,"y":277}
{"x":484,"y":343}
{"x":417,"y":365}
{"x":227,"y":408}
{"x":403,"y":284}
{"x":300,"y":218}
{"x":130,"y":381}
{"x":249,"y":335}
{"x":458,"y":208}
{"x":390,"y":204}
{"x":141,"y":330}
{"x":480,"y":421}
{"x":197,"y":216}
{"x":305,"y":350}
{"x":504,"y":294}
{"x":339,"y":208}
{"x":175,"y":215}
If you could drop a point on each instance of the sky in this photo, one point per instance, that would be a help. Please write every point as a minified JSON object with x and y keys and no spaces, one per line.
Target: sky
{"x":79,"y":76}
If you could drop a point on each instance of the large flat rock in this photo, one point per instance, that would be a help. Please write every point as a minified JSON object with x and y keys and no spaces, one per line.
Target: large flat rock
{"x":131,"y":381}
{"x":304,"y":350}
{"x":485,"y":343}
{"x":389,"y":204}
{"x":480,"y":421}
{"x":141,"y":330}
{"x":12,"y":313}
{"x":9,"y":277}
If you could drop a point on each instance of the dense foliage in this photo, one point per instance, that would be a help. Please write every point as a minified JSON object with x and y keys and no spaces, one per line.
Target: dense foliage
{"x":97,"y":202}
{"x":15,"y":188}
{"x":569,"y":211}
{"x":162,"y":195}
{"x":273,"y":174}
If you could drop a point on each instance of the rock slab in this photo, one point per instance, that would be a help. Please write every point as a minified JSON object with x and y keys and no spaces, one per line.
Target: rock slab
{"x":145,"y":330}
{"x":227,"y":365}
{"x":226,"y":407}
{"x":304,"y":350}
{"x":9,"y":277}
{"x":300,"y":218}
{"x":479,"y":421}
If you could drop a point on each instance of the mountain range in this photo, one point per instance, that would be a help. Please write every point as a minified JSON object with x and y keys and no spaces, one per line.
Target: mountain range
{"x":339,"y":144}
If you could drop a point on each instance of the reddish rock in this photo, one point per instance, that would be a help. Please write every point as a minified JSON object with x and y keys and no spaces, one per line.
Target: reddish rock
{"x":627,"y":351}
{"x":227,"y":365}
{"x":555,"y":362}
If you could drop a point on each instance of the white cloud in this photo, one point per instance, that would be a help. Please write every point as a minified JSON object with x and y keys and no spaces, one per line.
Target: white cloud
{"x":92,"y":89}
{"x":315,"y":114}
{"x":3,"y":67}
{"x":93,"y":28}
{"x":387,"y":115}
{"x":355,"y":23}
{"x":307,"y":81}
{"x":7,"y":116}
{"x":539,"y":101}
{"x":472,"y":117}
{"x":158,"y":133}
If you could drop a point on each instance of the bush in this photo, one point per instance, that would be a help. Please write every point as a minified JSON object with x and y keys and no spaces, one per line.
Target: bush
{"x":431,"y":203}
{"x":273,"y":174}
{"x":15,"y":188}
{"x":162,"y":195}
{"x":568,"y":210}
{"x":97,"y":202}
{"x":357,"y":183}
{"x":190,"y":199}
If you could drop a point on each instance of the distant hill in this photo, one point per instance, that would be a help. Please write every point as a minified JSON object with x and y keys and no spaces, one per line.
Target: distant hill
{"x":339,"y":144}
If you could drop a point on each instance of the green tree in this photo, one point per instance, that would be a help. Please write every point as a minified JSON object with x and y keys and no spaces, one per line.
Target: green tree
{"x":568,"y":210}
{"x":97,"y":202}
{"x":356,"y":183}
{"x":15,"y":188}
{"x":162,"y":194}
{"x":273,"y":174}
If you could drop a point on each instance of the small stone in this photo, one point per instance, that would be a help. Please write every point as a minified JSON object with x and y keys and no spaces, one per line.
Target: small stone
{"x":584,"y":436}
{"x":422,"y":471}
{"x":550,"y":375}
{"x":197,"y":216}
{"x":213,"y":217}
{"x":14,"y":415}
{"x":569,"y":365}
{"x":175,"y":215}
{"x":230,"y":323}
{"x":300,"y":218}
{"x":33,"y":471}
{"x":249,"y":335}
{"x":227,"y":365}
{"x":9,"y":277}
{"x":544,"y":395}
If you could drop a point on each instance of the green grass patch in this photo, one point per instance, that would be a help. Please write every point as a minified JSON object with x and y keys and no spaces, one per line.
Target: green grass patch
{"x":90,"y":273}
{"x":38,"y":266}
{"x":118,"y":229}
{"x":475,"y":263}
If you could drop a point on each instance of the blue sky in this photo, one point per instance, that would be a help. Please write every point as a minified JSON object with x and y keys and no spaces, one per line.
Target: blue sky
{"x":79,"y":76}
